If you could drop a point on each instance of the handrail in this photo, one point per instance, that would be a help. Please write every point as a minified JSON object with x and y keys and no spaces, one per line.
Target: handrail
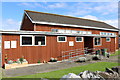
{"x":78,"y":52}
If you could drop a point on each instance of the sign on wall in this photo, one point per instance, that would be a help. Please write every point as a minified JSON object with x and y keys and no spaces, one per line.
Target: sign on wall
{"x":6,"y":44}
{"x":71,"y":43}
{"x":13,"y":44}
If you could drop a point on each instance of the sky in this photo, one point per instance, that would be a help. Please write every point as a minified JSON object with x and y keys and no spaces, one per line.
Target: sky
{"x":12,"y":12}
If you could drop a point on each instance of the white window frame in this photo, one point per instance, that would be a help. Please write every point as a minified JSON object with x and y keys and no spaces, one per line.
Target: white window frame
{"x":39,"y":45}
{"x":109,"y":39}
{"x":61,"y":31}
{"x":33,"y":40}
{"x":68,"y":31}
{"x":78,"y":41}
{"x":61,"y":41}
{"x":100,"y":41}
{"x":74,"y":31}
{"x":26,"y":36}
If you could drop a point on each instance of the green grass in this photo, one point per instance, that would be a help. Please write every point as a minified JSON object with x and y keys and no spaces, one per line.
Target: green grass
{"x":100,"y":66}
{"x":116,"y":53}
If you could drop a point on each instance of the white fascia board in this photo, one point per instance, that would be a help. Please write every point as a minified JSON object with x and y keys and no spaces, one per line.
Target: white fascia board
{"x":50,"y":33}
{"x":70,"y":25}
{"x":29,"y":17}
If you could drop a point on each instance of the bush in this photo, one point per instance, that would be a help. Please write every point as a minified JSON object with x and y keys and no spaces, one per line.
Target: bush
{"x":21,"y":60}
{"x":39,"y":61}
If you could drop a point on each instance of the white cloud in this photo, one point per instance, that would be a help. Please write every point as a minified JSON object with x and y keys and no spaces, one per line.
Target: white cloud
{"x":113,"y":22}
{"x":57,"y":5}
{"x":107,"y":8}
{"x":11,"y":24}
{"x":26,"y":4}
{"x":90,"y":17}
{"x":36,"y":5}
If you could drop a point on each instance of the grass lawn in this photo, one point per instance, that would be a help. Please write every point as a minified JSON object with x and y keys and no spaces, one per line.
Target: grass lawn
{"x":100,"y":66}
{"x":116,"y":53}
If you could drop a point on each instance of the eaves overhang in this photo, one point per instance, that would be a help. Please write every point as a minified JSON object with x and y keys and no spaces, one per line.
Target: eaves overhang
{"x":52,"y":33}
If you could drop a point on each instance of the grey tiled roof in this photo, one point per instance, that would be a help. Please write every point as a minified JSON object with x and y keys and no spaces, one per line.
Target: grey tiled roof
{"x":55,"y":18}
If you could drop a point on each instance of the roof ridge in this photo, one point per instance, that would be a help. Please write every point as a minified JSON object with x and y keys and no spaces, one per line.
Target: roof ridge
{"x":64,"y":16}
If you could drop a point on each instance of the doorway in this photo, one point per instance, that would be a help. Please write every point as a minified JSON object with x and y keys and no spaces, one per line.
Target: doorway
{"x":88,"y":43}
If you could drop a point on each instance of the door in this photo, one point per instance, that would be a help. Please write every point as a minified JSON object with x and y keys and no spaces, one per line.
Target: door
{"x":88,"y":43}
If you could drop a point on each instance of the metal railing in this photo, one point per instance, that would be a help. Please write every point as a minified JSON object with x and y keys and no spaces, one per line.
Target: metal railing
{"x":72,"y":55}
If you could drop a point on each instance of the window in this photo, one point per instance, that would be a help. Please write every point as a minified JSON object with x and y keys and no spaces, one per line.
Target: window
{"x":73,"y":31}
{"x":108,"y":39}
{"x":31,"y":40}
{"x":84,"y":32}
{"x":54,"y":30}
{"x":68,"y":31}
{"x":79,"y":39}
{"x":89,"y":32}
{"x":80,"y":32}
{"x":26,"y":40}
{"x":97,"y":41}
{"x":40,"y":40}
{"x":61,"y":39}
{"x":61,"y":31}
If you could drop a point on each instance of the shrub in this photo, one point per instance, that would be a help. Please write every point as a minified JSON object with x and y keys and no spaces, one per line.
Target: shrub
{"x":21,"y":60}
{"x":39,"y":61}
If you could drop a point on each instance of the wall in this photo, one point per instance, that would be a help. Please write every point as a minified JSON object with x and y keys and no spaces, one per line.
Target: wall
{"x":26,"y":24}
{"x":94,"y":31}
{"x":35,"y":53}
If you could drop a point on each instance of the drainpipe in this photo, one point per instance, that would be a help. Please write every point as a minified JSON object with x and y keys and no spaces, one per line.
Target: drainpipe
{"x":35,"y":27}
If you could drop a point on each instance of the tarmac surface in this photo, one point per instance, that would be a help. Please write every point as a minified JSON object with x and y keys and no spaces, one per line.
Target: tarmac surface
{"x":49,"y":67}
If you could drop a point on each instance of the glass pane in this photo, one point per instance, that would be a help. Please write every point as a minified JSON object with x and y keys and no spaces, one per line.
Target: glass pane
{"x":61,"y":31}
{"x":79,"y":39}
{"x":107,"y":39}
{"x":68,"y":31}
{"x":54,"y":30}
{"x":40,"y":39}
{"x":61,"y":38}
{"x":26,"y":40}
{"x":95,"y":41}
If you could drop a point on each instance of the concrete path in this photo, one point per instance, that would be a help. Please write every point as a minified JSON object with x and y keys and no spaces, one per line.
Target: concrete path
{"x":49,"y":67}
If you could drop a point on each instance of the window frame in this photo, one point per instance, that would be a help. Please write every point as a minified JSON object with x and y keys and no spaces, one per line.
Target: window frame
{"x":109,"y":39}
{"x":39,"y":45}
{"x":26,"y":36}
{"x":78,"y":41}
{"x":100,"y":41}
{"x":61,"y":41}
{"x":33,"y":40}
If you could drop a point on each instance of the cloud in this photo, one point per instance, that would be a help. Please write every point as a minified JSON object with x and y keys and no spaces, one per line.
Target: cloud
{"x":11,"y":24}
{"x":113,"y":22}
{"x":26,"y":4}
{"x":90,"y":17}
{"x":107,"y":8}
{"x":57,"y":5}
{"x":43,"y":5}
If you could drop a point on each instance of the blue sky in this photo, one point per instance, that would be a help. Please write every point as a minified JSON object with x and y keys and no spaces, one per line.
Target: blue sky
{"x":12,"y":12}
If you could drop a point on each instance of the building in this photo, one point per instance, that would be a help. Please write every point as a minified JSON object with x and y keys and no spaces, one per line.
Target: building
{"x":45,"y":35}
{"x":119,"y":41}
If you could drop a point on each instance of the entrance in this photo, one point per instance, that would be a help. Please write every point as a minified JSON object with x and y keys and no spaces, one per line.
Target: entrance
{"x":88,"y":43}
